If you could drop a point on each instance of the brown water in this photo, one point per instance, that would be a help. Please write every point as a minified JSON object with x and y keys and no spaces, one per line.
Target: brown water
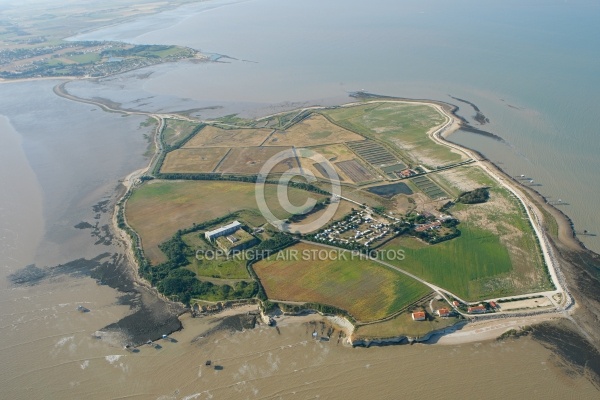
{"x":65,"y":362}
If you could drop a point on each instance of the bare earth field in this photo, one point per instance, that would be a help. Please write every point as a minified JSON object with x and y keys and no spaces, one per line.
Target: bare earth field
{"x":313,"y":131}
{"x":250,"y":160}
{"x":367,"y":290}
{"x":211,"y":136}
{"x":193,"y":160}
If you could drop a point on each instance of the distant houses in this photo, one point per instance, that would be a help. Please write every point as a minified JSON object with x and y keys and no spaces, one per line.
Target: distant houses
{"x":418,"y":316}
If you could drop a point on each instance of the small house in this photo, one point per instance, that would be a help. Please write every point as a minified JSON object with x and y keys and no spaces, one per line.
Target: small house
{"x":443,"y":312}
{"x":418,"y":316}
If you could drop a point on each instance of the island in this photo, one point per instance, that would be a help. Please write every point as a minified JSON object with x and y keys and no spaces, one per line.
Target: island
{"x":41,"y":47}
{"x":426,"y":236}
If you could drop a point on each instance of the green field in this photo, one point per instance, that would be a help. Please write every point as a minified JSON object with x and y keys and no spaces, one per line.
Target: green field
{"x":365,"y":289}
{"x":402,"y":125}
{"x":463,"y":265}
{"x":221,"y":267}
{"x":84,"y":58}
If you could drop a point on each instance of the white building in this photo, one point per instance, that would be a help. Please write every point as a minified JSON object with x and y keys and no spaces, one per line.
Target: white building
{"x":222,"y":231}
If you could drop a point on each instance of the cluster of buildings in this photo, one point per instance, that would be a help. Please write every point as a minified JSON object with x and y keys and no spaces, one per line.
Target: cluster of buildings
{"x":422,"y":316}
{"x":431,"y":225}
{"x":359,"y":228}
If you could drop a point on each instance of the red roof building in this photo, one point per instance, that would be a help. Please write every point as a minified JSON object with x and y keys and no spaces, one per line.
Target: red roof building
{"x":418,"y":316}
{"x":443,"y":312}
{"x":476,"y":310}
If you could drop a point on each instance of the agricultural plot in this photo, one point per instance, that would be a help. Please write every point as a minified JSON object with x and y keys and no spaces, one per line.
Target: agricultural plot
{"x":357,"y":172}
{"x":366,"y":290}
{"x":374,"y":153}
{"x":313,"y":131}
{"x":211,"y":136}
{"x":430,"y":188}
{"x":157,"y":209}
{"x":250,"y":160}
{"x":332,"y":153}
{"x":403,"y":125}
{"x":193,"y":160}
{"x":465,"y":265}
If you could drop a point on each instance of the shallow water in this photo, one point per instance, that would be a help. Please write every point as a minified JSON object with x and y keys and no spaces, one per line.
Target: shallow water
{"x":531,"y":69}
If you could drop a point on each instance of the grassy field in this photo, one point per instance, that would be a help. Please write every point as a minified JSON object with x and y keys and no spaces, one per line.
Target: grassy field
{"x":367,"y":290}
{"x":465,"y":265}
{"x":211,"y":136}
{"x":402,"y":125}
{"x":313,"y":131}
{"x":84,"y":58}
{"x":193,"y":160}
{"x":220,"y":267}
{"x":157,"y":209}
{"x":177,"y":130}
{"x":403,"y":324}
{"x":503,"y":216}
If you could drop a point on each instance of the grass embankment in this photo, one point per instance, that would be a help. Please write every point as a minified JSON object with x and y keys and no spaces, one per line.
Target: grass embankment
{"x":366,"y":290}
{"x":157,"y":209}
{"x":402,"y":126}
